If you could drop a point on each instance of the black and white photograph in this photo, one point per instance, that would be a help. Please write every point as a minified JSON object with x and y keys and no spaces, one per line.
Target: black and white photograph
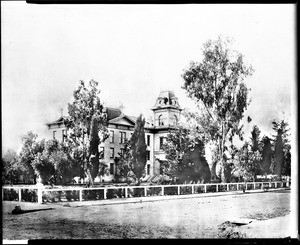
{"x":148,"y":121}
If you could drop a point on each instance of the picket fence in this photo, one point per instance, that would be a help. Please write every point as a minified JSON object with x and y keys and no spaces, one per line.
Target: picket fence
{"x":43,"y":194}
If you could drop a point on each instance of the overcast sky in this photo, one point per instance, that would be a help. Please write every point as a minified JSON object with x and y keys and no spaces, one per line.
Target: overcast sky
{"x":134,"y":52}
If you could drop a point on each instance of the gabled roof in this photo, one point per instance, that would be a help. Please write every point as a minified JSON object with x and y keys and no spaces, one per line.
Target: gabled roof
{"x":113,"y":112}
{"x":123,"y":120}
{"x":58,"y":121}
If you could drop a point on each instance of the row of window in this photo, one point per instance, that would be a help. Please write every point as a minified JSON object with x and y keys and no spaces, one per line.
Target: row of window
{"x":122,"y":140}
{"x":112,"y":153}
{"x":161,"y":120}
{"x":122,"y":137}
{"x":112,"y":168}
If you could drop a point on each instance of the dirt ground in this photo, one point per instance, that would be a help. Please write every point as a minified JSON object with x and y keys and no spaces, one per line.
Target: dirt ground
{"x":265,"y":215}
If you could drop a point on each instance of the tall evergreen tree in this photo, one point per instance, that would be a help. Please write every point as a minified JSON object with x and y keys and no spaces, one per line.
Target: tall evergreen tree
{"x":138,"y":148}
{"x":281,"y":147}
{"x":255,"y":138}
{"x":256,"y":146}
{"x":279,"y":154}
{"x":266,"y":155}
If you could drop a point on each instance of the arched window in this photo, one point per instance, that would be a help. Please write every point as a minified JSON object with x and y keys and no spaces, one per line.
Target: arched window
{"x":160,"y":120}
{"x":175,"y":120}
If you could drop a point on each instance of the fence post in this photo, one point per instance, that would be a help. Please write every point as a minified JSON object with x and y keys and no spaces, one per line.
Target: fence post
{"x":246,"y":186}
{"x":80,"y":195}
{"x":145,"y":191}
{"x":104,"y":193}
{"x":178,"y":189}
{"x":217,"y":188}
{"x":193,"y":189}
{"x":162,"y":191}
{"x":270,"y":185}
{"x":126,"y":192}
{"x":205,"y":188}
{"x":237,"y":186}
{"x":20,"y":195}
{"x":227,"y":187}
{"x":40,"y":195}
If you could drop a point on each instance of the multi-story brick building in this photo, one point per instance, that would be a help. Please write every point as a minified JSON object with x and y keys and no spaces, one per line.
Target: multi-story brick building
{"x":166,"y":116}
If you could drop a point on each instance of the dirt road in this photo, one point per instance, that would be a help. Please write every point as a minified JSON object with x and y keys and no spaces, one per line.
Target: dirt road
{"x":268,"y":214}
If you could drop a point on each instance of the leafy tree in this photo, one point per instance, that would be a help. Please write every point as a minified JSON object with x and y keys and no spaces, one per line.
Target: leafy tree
{"x":86,"y":126}
{"x":55,"y":164}
{"x":12,"y":169}
{"x":245,"y":163}
{"x":185,"y":156}
{"x":138,"y":148}
{"x":216,"y":84}
{"x":266,"y":155}
{"x":31,"y":147}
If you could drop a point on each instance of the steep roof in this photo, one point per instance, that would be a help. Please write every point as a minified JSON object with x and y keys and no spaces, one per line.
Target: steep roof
{"x":113,"y":113}
{"x":58,"y":121}
{"x":166,"y":99}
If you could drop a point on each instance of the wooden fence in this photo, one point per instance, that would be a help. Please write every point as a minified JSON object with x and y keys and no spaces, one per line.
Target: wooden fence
{"x":42,"y":194}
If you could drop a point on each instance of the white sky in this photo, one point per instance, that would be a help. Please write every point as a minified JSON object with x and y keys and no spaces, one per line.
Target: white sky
{"x":135,"y":51}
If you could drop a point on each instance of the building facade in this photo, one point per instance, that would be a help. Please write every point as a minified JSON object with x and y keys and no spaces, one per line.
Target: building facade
{"x":166,"y":114}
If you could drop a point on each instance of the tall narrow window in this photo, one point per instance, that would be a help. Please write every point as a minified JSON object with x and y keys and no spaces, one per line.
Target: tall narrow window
{"x":54,"y":134}
{"x":175,"y":120}
{"x":161,"y":142}
{"x":148,"y":155}
{"x":122,"y":137}
{"x":160,"y":121}
{"x":63,"y":135}
{"x":112,"y":168}
{"x":112,"y":152}
{"x":148,"y":140}
{"x":111,"y":136}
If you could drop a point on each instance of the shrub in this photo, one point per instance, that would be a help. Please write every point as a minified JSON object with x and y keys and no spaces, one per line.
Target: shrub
{"x":185,"y":190}
{"x":172,"y":190}
{"x":10,"y":195}
{"x":115,"y":193}
{"x":29,"y":195}
{"x":154,"y":191}
{"x":93,"y":194}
